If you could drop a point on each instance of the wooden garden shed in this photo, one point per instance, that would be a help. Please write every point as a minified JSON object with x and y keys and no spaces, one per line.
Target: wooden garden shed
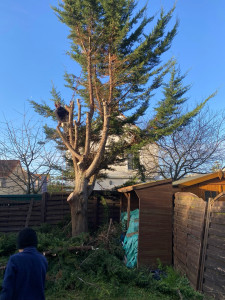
{"x":155,"y":203}
{"x":204,"y":186}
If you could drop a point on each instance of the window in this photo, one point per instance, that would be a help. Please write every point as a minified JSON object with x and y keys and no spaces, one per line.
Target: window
{"x":132,"y":161}
{"x":2,"y":182}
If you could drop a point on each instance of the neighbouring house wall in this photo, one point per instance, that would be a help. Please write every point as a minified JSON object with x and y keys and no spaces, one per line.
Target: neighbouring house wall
{"x":11,"y":185}
{"x":123,"y":172}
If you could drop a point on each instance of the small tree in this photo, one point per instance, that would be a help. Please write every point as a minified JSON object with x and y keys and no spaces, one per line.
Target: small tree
{"x":26,"y":143}
{"x":120,"y":61}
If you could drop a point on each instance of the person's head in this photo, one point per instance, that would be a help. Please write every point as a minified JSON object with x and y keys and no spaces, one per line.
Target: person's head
{"x":27,"y":238}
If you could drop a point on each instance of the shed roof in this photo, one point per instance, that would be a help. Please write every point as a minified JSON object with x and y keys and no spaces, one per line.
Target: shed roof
{"x":192,"y":180}
{"x":143,"y":185}
{"x":7,"y":167}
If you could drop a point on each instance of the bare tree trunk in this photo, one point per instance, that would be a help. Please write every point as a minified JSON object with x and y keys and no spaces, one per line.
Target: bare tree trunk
{"x":78,"y":205}
{"x":85,"y":170}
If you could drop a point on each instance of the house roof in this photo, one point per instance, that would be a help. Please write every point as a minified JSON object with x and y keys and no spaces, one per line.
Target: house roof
{"x":143,"y":185}
{"x":192,"y":180}
{"x":7,"y":167}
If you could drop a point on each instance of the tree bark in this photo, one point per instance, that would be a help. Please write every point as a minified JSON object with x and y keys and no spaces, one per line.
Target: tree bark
{"x":78,"y":200}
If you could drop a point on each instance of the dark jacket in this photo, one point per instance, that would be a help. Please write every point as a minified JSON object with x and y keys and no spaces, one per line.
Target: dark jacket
{"x":24,"y":277}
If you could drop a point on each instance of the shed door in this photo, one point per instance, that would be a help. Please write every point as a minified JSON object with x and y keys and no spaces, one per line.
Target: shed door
{"x":155,"y":225}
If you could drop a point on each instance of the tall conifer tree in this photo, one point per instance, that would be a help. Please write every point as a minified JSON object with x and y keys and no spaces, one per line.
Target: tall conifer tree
{"x":120,"y":58}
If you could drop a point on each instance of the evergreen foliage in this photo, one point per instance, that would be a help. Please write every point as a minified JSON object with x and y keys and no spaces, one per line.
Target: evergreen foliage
{"x":168,"y":113}
{"x":120,"y":61}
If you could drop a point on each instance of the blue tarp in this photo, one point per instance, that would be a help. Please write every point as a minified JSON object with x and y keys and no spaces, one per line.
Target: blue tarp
{"x":130,"y":243}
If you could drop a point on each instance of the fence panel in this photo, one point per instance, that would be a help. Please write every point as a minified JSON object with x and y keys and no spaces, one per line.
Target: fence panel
{"x":213,"y":277}
{"x":189,"y":220}
{"x":19,"y":211}
{"x":56,"y":207}
{"x":101,"y":207}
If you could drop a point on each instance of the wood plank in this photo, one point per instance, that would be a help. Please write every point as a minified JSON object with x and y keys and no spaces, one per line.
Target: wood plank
{"x":189,"y":217}
{"x":219,"y":204}
{"x":181,"y":255}
{"x":194,"y":213}
{"x":217,"y":218}
{"x":220,"y":227}
{"x":11,"y":214}
{"x":190,"y":201}
{"x":197,"y":224}
{"x":194,"y":251}
{"x":189,"y":209}
{"x":214,"y":277}
{"x":191,"y":231}
{"x":216,"y":265}
{"x":179,"y":265}
{"x":15,"y":207}
{"x":151,"y":218}
{"x":216,"y":252}
{"x":49,"y":205}
{"x":155,"y":252}
{"x":192,"y":275}
{"x":17,"y":218}
{"x":161,"y":225}
{"x":216,"y":241}
{"x":156,"y":211}
{"x":180,"y":235}
{"x":216,"y":232}
{"x":180,"y":228}
{"x":218,"y":209}
{"x":156,"y":244}
{"x":212,"y":289}
{"x":193,"y":263}
{"x":185,"y":245}
{"x":13,"y":224}
{"x":154,"y":207}
{"x":14,"y":202}
{"x":185,"y":195}
{"x":11,"y":229}
{"x":189,"y":256}
{"x":56,"y":211}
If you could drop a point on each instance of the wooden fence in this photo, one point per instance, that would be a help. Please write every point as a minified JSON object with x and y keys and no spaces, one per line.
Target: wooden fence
{"x":212,"y":276}
{"x":189,"y":216}
{"x":19,"y":211}
{"x":199,"y":242}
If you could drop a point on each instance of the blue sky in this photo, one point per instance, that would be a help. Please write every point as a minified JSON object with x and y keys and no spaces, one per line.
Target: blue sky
{"x":34,"y":43}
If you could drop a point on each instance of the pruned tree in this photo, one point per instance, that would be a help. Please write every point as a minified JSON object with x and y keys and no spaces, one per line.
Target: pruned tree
{"x":120,"y":58}
{"x":197,"y":147}
{"x":25,"y":143}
